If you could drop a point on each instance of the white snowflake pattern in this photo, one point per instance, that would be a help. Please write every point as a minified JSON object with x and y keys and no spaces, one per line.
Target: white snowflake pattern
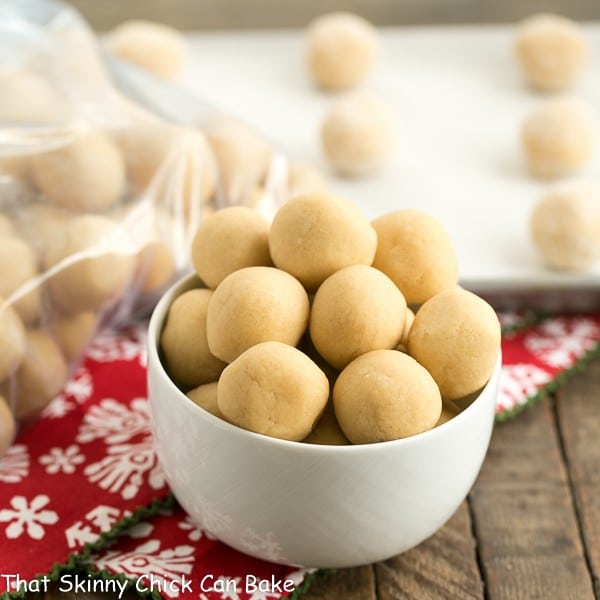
{"x":14,"y":465}
{"x":111,"y":345}
{"x":115,"y":422}
{"x":264,"y":544}
{"x":27,"y":517}
{"x":62,"y":461}
{"x":58,"y":408}
{"x":264,"y":591}
{"x":80,"y":386}
{"x":165,"y":565}
{"x":194,"y":532}
{"x":560,"y":342}
{"x":519,"y":382}
{"x":210,"y":519}
{"x":124,"y":467}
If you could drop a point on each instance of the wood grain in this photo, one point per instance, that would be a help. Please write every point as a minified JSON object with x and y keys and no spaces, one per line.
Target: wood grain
{"x":578,"y":409}
{"x":242,"y":14}
{"x":528,"y":537}
{"x":444,"y":566}
{"x":349,"y":584}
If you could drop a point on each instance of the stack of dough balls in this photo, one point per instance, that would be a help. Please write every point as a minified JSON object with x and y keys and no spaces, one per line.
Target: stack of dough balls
{"x":301,"y":329}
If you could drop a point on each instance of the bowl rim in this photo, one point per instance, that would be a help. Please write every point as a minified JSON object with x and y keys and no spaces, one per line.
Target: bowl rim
{"x":155,"y":327}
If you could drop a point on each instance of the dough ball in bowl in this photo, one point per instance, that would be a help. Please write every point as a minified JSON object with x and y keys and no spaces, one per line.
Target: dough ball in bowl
{"x":230,"y":239}
{"x":327,"y":432}
{"x":12,"y":340}
{"x":205,"y":396}
{"x":253,"y":305}
{"x":151,"y":46}
{"x":19,"y":266}
{"x":558,"y":138}
{"x":385,"y":395}
{"x":100,"y":271}
{"x":341,"y":50}
{"x":86,"y":175}
{"x":356,"y":310}
{"x":415,"y":252}
{"x":184,"y":344}
{"x":565,"y":226}
{"x":273,"y":389}
{"x":456,"y":337}
{"x":357,"y":134}
{"x":315,"y":235}
{"x":8,"y":427}
{"x":551,"y":51}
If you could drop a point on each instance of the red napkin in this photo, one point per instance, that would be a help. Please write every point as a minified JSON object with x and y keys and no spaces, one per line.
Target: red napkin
{"x":82,"y":486}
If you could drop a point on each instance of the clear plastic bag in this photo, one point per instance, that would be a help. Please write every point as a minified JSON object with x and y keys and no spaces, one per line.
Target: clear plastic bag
{"x":99,"y":199}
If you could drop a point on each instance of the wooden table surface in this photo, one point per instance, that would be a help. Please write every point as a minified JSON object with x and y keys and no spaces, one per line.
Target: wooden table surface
{"x":530,"y":528}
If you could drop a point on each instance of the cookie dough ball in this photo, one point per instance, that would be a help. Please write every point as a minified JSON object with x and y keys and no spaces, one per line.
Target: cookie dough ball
{"x":551,"y":51}
{"x":315,"y":235}
{"x":231,"y":239}
{"x":273,"y":389}
{"x":253,"y":305}
{"x":41,"y":224}
{"x":86,"y":175}
{"x":6,"y":226}
{"x":558,"y":138}
{"x":12,"y":340}
{"x":456,"y":337}
{"x":8,"y":428}
{"x":184,"y":344}
{"x":205,"y":396}
{"x":327,"y":432}
{"x":341,"y":50}
{"x":102,"y":270}
{"x":17,"y":166}
{"x":449,"y":411}
{"x":305,"y":179}
{"x":385,"y":395}
{"x":18,"y":269}
{"x":356,"y":310}
{"x":156,"y":267}
{"x":147,"y":147}
{"x":74,"y":332}
{"x":40,"y":377}
{"x":408,"y":321}
{"x":243,"y":158}
{"x":357,"y":134}
{"x":150,"y":46}
{"x":565,"y":226}
{"x":27,"y":98}
{"x":415,"y":252}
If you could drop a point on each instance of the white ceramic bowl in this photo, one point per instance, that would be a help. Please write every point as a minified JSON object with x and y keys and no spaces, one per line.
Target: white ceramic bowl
{"x":304,"y":504}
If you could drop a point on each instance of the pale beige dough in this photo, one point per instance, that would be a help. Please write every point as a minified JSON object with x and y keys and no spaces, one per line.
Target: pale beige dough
{"x":408,"y":321}
{"x":355,"y":310}
{"x":341,"y":50}
{"x":73,"y":333}
{"x":8,"y":428}
{"x":41,"y":224}
{"x":551,"y":51}
{"x":156,"y":267}
{"x":253,"y":305}
{"x":40,"y":376}
{"x":205,"y":396}
{"x":565,"y":226}
{"x":273,"y":389}
{"x":86,"y":175}
{"x":357,"y":134}
{"x":12,"y":340}
{"x":230,"y":239}
{"x":159,"y":152}
{"x":558,"y":138}
{"x":385,"y":395}
{"x":151,"y":46}
{"x":415,"y":252}
{"x":91,"y":281}
{"x":314,"y":235}
{"x":305,"y":179}
{"x":7,"y":227}
{"x":327,"y":432}
{"x":449,"y":411}
{"x":19,"y":267}
{"x":18,"y":166}
{"x":243,"y":158}
{"x":456,"y":337}
{"x":183,"y":342}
